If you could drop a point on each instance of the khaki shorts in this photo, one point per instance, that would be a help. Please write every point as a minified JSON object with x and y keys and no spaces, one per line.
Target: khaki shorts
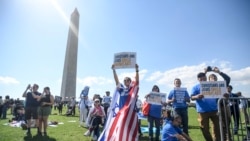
{"x":44,"y":111}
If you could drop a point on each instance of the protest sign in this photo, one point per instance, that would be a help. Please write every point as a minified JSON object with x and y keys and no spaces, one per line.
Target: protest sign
{"x":156,"y":98}
{"x":179,"y":94}
{"x":125,"y":60}
{"x":213,"y":89}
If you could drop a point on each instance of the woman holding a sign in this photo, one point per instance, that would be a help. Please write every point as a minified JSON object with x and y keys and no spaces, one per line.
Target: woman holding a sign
{"x":128,"y":83}
{"x":118,"y":119}
{"x":154,"y":116}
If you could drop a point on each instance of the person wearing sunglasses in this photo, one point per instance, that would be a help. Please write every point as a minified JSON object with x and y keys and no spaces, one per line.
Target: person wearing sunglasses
{"x":95,"y":118}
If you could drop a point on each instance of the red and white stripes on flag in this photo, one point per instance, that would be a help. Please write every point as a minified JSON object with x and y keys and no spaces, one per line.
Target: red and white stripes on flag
{"x":122,"y":125}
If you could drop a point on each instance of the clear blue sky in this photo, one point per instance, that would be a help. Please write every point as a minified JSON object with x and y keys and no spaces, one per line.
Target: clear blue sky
{"x":171,"y":38}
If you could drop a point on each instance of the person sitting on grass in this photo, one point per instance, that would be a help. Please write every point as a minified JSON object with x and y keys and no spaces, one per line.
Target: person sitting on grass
{"x":172,"y":132}
{"x":19,"y":114}
{"x":96,"y":117}
{"x":166,"y":115}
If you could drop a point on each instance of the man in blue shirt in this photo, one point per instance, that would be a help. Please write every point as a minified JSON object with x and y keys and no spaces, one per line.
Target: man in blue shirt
{"x":206,"y":109}
{"x":179,"y":98}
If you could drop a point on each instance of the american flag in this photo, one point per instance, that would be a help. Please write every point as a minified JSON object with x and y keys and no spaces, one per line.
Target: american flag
{"x":122,"y":124}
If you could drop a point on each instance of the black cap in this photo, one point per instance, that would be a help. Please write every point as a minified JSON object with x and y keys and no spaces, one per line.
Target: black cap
{"x":201,"y":74}
{"x":209,"y":68}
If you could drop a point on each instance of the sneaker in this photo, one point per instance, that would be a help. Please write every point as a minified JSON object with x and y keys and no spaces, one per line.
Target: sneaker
{"x":87,"y":133}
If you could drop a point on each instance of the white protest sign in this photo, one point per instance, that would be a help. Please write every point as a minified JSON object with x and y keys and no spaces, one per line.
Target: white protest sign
{"x":179,"y":94}
{"x":156,"y":98}
{"x":125,"y":60}
{"x":213,"y":89}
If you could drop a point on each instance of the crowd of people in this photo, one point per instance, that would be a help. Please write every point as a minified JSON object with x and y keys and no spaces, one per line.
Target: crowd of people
{"x":16,"y":108}
{"x":175,"y":125}
{"x":171,"y":116}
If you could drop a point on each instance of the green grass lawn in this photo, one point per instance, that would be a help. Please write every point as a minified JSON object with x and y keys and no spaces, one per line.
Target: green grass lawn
{"x":70,"y":130}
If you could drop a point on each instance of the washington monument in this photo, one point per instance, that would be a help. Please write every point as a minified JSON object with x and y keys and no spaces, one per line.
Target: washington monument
{"x":68,"y":88}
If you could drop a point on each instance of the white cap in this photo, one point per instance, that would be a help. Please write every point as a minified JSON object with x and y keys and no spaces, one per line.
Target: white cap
{"x":97,"y":99}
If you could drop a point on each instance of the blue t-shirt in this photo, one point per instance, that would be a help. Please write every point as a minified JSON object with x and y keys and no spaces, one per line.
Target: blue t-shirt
{"x":180,"y":96}
{"x":167,"y":120}
{"x":124,"y":93}
{"x":169,"y":131}
{"x":205,"y":104}
{"x":155,"y":110}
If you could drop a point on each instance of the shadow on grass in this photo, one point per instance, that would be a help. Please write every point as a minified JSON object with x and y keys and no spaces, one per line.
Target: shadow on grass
{"x":38,"y":138}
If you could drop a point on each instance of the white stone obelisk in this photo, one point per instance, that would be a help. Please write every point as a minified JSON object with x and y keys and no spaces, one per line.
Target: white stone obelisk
{"x":68,"y":88}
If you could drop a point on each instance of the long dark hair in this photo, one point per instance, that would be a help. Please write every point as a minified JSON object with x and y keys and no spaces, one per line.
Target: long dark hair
{"x":47,"y":88}
{"x":156,"y":87}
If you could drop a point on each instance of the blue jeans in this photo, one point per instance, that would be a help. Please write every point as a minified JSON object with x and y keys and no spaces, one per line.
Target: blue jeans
{"x":183,"y":112}
{"x":151,"y":121}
